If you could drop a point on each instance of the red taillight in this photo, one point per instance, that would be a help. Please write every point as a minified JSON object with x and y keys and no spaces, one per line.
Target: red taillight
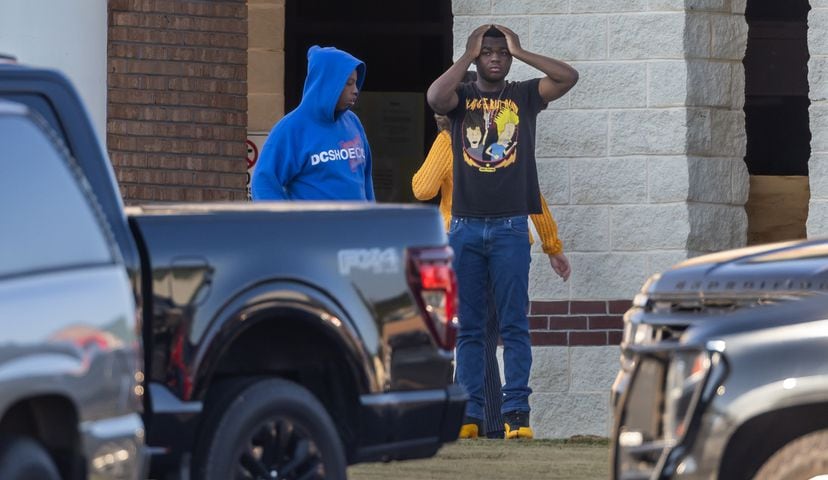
{"x":431,"y":278}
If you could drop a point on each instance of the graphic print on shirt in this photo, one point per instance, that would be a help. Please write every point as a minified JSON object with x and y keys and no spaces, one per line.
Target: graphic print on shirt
{"x":490,"y":133}
{"x":351,"y":150}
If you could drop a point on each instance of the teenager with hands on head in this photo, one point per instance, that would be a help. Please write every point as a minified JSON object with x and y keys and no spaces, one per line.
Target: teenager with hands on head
{"x":495,"y":189}
{"x":433,"y":177}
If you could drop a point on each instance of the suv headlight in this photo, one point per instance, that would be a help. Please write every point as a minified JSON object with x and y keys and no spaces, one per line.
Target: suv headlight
{"x":684,"y":383}
{"x":636,"y":333}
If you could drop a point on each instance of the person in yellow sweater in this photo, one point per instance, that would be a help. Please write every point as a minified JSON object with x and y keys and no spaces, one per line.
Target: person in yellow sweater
{"x":435,"y":176}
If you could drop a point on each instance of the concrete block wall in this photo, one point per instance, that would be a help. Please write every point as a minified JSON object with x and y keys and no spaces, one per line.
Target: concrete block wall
{"x":646,"y":151}
{"x":641,"y":164}
{"x":818,"y":80}
{"x":571,"y":386}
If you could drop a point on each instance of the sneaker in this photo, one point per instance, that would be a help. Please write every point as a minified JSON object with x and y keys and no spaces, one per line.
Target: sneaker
{"x":516,"y":425}
{"x":471,"y":427}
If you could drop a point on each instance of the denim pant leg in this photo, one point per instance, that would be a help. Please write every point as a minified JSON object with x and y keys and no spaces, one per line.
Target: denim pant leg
{"x":470,"y":266}
{"x":492,"y":386}
{"x":509,"y":269}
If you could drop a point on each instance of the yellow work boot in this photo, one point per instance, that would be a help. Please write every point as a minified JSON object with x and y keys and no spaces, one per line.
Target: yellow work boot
{"x":516,"y":425}
{"x":471,"y":427}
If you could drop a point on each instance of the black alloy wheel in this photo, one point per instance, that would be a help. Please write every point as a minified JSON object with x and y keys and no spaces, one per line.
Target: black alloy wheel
{"x":280,"y":450}
{"x":269,"y":429}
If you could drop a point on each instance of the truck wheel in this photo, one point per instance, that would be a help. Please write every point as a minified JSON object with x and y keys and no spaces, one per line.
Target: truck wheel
{"x":24,"y":459}
{"x":272,"y":429}
{"x":801,"y":459}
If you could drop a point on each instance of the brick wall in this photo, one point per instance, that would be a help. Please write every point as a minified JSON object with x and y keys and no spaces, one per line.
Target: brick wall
{"x":577,"y":323}
{"x":177,"y":106}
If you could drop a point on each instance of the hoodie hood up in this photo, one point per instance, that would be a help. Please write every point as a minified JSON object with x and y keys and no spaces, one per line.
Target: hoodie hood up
{"x":328,"y":70}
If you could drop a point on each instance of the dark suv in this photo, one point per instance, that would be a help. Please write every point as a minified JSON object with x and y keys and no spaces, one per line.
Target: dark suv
{"x":725,"y":368}
{"x":70,"y":374}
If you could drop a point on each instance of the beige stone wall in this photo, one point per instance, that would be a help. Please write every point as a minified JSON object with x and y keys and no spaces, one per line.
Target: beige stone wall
{"x":777,"y":208}
{"x":266,"y":64}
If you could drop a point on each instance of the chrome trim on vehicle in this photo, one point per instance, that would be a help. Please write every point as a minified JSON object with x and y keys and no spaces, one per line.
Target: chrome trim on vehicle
{"x":661,"y":456}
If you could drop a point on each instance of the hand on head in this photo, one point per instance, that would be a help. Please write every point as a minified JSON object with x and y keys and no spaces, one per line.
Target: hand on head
{"x":475,"y":41}
{"x":512,"y":40}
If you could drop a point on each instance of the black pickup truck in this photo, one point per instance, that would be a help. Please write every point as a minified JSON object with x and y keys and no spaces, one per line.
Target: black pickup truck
{"x":281,"y":340}
{"x":725,"y":369}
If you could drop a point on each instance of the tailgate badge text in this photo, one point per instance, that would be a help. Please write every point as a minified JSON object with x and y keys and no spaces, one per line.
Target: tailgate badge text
{"x":374,"y":260}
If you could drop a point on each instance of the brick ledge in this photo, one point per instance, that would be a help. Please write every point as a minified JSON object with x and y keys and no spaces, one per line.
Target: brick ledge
{"x":577,"y":322}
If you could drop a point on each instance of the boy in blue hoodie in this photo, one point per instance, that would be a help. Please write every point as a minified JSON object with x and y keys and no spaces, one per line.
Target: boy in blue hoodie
{"x":319,"y":150}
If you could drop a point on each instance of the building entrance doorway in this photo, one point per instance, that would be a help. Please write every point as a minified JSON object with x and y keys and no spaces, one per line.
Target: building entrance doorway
{"x":776,"y":119}
{"x":405,"y":46}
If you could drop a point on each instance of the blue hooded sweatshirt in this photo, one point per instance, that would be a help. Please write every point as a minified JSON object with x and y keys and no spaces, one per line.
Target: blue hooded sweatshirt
{"x":315,"y":152}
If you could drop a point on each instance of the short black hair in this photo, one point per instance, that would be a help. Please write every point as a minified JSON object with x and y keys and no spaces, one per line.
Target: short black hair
{"x":494,"y":32}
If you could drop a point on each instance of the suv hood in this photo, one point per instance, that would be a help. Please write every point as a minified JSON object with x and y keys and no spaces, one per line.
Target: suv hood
{"x":778,"y":269}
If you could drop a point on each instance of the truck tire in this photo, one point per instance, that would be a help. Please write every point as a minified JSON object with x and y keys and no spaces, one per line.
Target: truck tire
{"x":25,"y":459}
{"x":273,"y":429}
{"x":801,"y":459}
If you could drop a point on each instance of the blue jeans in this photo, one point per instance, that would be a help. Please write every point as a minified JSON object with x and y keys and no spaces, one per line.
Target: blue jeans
{"x":492,"y":388}
{"x":496,"y":250}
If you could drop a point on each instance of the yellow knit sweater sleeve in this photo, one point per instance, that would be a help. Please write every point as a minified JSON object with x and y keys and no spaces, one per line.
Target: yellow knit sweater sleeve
{"x":547,"y":230}
{"x":436,"y":167}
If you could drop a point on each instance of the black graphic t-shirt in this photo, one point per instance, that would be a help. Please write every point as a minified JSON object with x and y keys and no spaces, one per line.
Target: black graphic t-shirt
{"x":493,"y":142}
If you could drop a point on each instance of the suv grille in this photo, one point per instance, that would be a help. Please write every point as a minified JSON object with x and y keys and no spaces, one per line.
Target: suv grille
{"x":669,"y":318}
{"x":640,"y":439}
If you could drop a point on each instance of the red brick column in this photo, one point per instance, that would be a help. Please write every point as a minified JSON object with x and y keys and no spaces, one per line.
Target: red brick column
{"x":577,"y":323}
{"x":177,"y":108}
